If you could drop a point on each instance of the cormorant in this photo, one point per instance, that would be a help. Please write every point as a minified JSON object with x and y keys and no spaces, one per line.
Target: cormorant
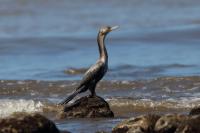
{"x":96,"y":72}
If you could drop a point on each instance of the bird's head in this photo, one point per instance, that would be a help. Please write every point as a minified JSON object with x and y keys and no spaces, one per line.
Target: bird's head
{"x":106,"y":29}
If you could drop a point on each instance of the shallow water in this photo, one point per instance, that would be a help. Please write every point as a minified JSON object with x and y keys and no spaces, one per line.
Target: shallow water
{"x":46,"y":46}
{"x":126,"y":99}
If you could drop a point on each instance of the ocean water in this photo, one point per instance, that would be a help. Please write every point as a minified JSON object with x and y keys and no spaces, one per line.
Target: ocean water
{"x":46,"y":46}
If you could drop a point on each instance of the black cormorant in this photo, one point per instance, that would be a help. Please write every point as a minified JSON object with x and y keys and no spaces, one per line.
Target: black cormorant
{"x":96,"y":72}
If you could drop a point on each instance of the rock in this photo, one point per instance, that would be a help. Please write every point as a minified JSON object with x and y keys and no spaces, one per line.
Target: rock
{"x":89,"y":107}
{"x":64,"y":132}
{"x":190,"y":126}
{"x":27,"y":123}
{"x":169,"y":123}
{"x":195,"y":111}
{"x":101,"y":132}
{"x":141,"y":124}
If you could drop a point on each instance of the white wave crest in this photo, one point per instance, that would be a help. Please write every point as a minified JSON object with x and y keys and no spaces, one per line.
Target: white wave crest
{"x":181,"y":103}
{"x":8,"y":107}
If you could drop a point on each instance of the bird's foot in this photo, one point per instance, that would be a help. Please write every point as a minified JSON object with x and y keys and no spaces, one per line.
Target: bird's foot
{"x":92,"y":95}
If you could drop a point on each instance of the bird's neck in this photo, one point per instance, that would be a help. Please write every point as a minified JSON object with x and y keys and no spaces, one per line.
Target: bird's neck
{"x":102,"y":48}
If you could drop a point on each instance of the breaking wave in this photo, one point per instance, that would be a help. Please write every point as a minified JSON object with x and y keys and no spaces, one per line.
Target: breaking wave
{"x":8,"y":106}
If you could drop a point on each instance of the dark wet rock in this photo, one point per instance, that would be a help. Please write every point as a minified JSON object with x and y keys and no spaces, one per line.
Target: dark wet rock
{"x":76,"y":71}
{"x":190,"y":126}
{"x":27,"y":123}
{"x":141,"y":124}
{"x":195,"y":111}
{"x":101,"y":132}
{"x":64,"y":132}
{"x":89,"y":107}
{"x":169,"y":123}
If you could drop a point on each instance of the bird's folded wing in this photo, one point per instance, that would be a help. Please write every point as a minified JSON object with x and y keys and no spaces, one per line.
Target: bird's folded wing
{"x":91,"y":73}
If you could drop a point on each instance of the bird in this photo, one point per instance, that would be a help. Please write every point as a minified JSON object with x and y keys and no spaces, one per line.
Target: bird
{"x":96,"y":72}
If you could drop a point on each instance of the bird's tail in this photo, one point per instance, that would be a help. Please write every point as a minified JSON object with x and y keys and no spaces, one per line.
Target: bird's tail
{"x":69,"y":98}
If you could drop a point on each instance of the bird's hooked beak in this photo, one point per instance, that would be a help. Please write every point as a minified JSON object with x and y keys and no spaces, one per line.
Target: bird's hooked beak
{"x":114,"y":28}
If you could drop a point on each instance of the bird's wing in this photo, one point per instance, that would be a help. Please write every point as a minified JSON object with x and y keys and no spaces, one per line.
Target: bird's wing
{"x":91,"y":73}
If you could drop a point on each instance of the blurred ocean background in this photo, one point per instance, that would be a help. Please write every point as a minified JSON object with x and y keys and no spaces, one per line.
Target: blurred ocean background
{"x":46,"y":46}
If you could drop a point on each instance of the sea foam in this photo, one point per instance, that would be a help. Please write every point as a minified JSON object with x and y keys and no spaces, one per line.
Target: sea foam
{"x":8,"y":106}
